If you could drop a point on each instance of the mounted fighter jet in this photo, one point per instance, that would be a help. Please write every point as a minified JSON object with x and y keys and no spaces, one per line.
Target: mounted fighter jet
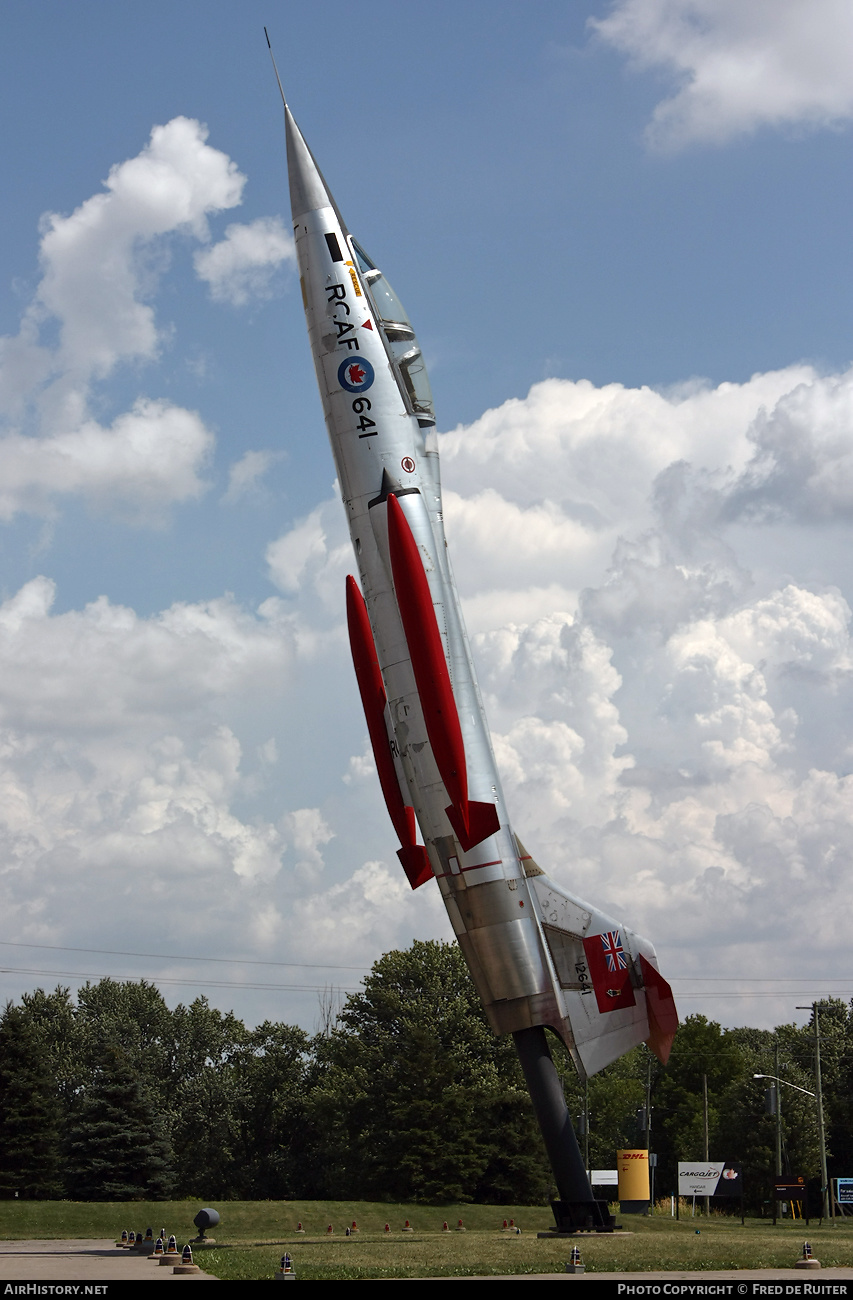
{"x":540,"y":956}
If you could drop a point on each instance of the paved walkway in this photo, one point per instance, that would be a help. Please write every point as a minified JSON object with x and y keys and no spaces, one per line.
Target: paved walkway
{"x":793,"y":1276}
{"x":82,"y":1261}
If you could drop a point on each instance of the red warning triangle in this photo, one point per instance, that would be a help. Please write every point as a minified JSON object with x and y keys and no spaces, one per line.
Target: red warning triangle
{"x":367,"y":325}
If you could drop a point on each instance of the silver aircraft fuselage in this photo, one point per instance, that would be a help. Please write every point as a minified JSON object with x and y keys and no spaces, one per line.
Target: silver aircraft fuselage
{"x":539,"y":956}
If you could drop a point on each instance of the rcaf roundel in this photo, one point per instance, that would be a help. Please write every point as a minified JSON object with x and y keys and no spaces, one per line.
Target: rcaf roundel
{"x":355,"y":376}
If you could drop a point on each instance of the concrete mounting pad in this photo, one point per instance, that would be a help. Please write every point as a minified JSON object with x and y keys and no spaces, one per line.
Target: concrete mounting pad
{"x":82,"y":1261}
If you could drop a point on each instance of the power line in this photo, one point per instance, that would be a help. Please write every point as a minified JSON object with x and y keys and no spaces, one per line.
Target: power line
{"x":759,"y":993}
{"x":318,"y":988}
{"x":302,"y":965}
{"x":211,"y":984}
{"x":158,"y":956}
{"x":758,"y":979}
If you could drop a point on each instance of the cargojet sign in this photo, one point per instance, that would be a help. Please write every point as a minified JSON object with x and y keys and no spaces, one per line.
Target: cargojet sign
{"x":710,"y":1178}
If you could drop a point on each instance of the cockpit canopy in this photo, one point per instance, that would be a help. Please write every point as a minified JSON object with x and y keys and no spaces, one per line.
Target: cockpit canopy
{"x":400,"y":338}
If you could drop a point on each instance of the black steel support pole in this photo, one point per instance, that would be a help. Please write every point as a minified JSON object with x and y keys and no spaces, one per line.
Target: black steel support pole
{"x":552,"y":1114}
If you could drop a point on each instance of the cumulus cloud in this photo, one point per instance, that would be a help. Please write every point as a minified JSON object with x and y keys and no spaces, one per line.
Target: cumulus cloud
{"x":665,"y":691}
{"x":582,"y":477}
{"x":241,"y":266}
{"x":94,"y":280}
{"x":127,"y":780}
{"x":117,"y":769}
{"x":738,"y":66}
{"x":308,"y":830}
{"x":802,"y":465}
{"x":669,"y":739}
{"x":663,"y":706}
{"x":91,"y":313}
{"x":313,"y":557}
{"x":150,"y":457}
{"x":366,"y":912}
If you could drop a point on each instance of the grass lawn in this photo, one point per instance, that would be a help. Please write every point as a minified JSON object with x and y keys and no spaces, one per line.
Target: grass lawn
{"x":254,"y":1234}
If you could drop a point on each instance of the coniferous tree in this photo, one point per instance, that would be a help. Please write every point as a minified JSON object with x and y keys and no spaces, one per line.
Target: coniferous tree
{"x":116,"y":1148}
{"x":30,"y":1163}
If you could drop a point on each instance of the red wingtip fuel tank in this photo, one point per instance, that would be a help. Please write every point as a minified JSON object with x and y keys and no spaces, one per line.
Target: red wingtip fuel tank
{"x":412,"y":855}
{"x":414,"y":601}
{"x":539,"y":955}
{"x":471,"y":822}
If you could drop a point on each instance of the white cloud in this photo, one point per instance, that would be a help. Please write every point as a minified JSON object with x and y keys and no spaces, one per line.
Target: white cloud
{"x":802,"y":466}
{"x":670,"y":718}
{"x":116,"y":770}
{"x":126,"y":786}
{"x":308,"y":830}
{"x":106,"y":670}
{"x":366,"y":912}
{"x":245,"y":475}
{"x":93,"y":281}
{"x":99,"y":271}
{"x":738,"y":66}
{"x":671,"y":741}
{"x":578,"y":476}
{"x":241,"y":265}
{"x":540,"y":535}
{"x":150,"y":457}
{"x":313,"y":558}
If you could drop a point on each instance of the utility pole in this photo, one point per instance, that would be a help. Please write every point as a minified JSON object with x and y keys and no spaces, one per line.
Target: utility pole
{"x":586,"y":1125}
{"x":827,"y":1204}
{"x":775,"y":1094}
{"x":778,"y":1091}
{"x":652,"y":1162}
{"x":705,"y":1118}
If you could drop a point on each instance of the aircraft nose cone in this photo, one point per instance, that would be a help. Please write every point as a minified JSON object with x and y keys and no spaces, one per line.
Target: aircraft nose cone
{"x":308,"y":190}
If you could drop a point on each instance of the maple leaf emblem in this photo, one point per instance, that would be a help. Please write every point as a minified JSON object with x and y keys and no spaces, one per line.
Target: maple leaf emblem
{"x":355,"y":374}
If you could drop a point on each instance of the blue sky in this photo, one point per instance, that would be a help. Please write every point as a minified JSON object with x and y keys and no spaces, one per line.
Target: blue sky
{"x":622,"y":233}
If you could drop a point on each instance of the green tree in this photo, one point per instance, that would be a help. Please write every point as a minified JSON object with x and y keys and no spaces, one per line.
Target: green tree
{"x":133,"y":1016}
{"x":116,"y":1149}
{"x":235,"y":1098}
{"x":702,"y":1051}
{"x":413,"y":1097}
{"x":615,"y":1095}
{"x":836,"y":1067}
{"x":200,"y":1099}
{"x":30,"y":1165}
{"x":269,"y":1069}
{"x":840,"y":1091}
{"x":52,"y":1018}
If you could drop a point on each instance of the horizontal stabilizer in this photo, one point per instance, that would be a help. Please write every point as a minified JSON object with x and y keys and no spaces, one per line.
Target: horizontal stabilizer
{"x":612,"y":993}
{"x":663,"y":1017}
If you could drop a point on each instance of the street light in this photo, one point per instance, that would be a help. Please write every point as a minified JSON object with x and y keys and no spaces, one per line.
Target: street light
{"x":777,"y":1110}
{"x":828,"y":1206}
{"x":786,"y":1083}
